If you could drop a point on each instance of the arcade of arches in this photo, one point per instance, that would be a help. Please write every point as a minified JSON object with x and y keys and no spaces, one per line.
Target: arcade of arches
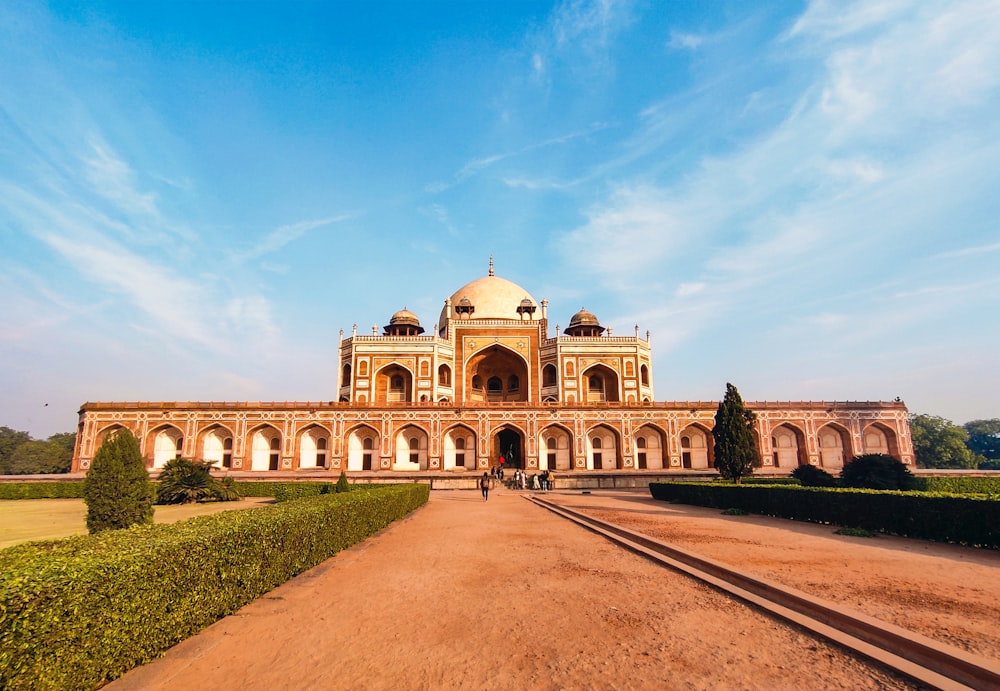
{"x":490,"y":382}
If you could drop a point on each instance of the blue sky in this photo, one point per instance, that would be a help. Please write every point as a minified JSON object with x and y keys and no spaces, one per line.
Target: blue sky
{"x":800,"y":198}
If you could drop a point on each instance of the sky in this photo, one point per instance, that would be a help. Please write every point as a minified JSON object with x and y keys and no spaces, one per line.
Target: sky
{"x":800,"y":198}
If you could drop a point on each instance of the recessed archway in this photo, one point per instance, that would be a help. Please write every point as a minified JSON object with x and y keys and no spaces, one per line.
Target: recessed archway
{"x":650,"y":448}
{"x":507,"y":444}
{"x":788,"y":446}
{"x":363,"y":448}
{"x":555,"y":444}
{"x":459,"y":448}
{"x":834,"y":446}
{"x":603,"y":449}
{"x":496,"y":374}
{"x":697,"y":446}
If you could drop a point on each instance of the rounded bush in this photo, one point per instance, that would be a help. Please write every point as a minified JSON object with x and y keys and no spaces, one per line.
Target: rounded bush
{"x":877,"y":471}
{"x":811,"y":476}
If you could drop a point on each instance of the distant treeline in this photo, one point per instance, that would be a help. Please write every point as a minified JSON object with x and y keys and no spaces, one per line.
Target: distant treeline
{"x":20,"y":454}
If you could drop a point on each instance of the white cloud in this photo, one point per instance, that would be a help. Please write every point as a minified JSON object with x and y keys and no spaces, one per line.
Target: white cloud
{"x":680,"y":40}
{"x":283,"y":235}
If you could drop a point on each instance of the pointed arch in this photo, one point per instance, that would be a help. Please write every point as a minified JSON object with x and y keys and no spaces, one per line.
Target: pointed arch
{"x":697,"y":447}
{"x":362,"y":447}
{"x":601,"y":383}
{"x":411,"y":443}
{"x":459,"y":448}
{"x":264,"y":442}
{"x":834,"y":445}
{"x":650,"y":447}
{"x":312,"y":447}
{"x":393,"y":384}
{"x":508,"y":440}
{"x":496,"y":373}
{"x":879,"y":438}
{"x":164,"y":443}
{"x":603,"y":448}
{"x":214,"y":444}
{"x":555,"y":448}
{"x":788,"y":446}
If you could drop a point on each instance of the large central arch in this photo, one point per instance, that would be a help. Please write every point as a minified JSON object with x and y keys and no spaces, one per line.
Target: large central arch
{"x":496,"y":374}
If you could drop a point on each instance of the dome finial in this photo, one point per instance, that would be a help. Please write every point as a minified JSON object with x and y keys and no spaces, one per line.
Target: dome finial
{"x":491,"y":265}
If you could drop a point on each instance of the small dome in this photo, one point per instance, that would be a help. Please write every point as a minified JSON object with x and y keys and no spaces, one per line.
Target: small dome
{"x":584,"y":323}
{"x":526,"y":302}
{"x":584,"y":318}
{"x":404,"y":323}
{"x":404,"y":316}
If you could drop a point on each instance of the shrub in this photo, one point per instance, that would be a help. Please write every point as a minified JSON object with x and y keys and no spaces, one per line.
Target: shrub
{"x":117,"y":488}
{"x":811,"y":476}
{"x":734,"y":512}
{"x":342,"y":484}
{"x":877,"y":471}
{"x":82,"y":611}
{"x":183,"y":481}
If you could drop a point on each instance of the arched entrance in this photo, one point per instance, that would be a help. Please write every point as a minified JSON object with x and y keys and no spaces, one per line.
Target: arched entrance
{"x":508,"y":443}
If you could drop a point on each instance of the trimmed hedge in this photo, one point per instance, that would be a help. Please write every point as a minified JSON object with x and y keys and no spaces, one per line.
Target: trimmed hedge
{"x":76,"y":613}
{"x":968,"y":520}
{"x":73,"y":489}
{"x":60,"y":489}
{"x":960,"y":485}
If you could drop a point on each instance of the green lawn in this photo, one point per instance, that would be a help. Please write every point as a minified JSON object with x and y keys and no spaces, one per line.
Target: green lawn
{"x":50,"y":519}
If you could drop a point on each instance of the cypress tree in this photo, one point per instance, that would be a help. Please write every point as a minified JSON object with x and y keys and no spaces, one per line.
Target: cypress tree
{"x":117,"y":488}
{"x":735,"y":450}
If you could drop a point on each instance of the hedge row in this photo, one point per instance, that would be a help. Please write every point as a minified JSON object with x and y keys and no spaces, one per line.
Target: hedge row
{"x":966,"y":520}
{"x":73,"y":489}
{"x":60,"y":489}
{"x":76,"y":613}
{"x":960,"y":485}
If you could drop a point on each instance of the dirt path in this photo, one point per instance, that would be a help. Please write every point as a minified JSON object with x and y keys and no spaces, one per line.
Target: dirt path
{"x":499,"y":594}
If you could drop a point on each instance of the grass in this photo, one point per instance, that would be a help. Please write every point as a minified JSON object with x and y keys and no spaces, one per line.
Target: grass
{"x":25,"y":520}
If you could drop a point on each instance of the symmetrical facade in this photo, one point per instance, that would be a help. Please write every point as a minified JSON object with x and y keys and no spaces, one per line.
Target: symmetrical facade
{"x":489,"y":384}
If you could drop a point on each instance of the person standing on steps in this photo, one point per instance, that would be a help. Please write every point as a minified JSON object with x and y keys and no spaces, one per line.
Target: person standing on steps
{"x":484,"y":485}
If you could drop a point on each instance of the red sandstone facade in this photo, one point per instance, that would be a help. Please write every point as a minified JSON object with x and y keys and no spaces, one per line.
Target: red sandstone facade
{"x":490,"y":383}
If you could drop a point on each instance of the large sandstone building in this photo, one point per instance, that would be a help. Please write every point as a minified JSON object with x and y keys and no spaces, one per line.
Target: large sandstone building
{"x":490,"y":383}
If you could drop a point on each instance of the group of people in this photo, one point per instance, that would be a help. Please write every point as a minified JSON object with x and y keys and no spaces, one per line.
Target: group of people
{"x":544,"y":481}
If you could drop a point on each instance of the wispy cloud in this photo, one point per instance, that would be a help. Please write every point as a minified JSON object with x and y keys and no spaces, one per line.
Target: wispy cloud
{"x":474,"y":166}
{"x":864,"y":155}
{"x":283,"y":235}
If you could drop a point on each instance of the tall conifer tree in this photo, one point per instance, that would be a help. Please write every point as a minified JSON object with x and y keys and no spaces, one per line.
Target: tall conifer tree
{"x":735,"y":450}
{"x":117,"y":488}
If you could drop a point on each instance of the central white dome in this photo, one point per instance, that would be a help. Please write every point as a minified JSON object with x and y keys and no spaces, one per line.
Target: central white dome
{"x":492,"y":297}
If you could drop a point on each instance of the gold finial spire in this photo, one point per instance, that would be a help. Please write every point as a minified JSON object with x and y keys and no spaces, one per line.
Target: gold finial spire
{"x":491,"y":265}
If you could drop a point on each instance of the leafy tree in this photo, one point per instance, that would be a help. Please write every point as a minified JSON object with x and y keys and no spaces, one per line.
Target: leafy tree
{"x":939,"y":443}
{"x":10,"y":439}
{"x":117,"y":489}
{"x":811,"y":476}
{"x":877,"y":471}
{"x":65,"y":441}
{"x":39,"y":457}
{"x":735,"y":449}
{"x":984,"y":437}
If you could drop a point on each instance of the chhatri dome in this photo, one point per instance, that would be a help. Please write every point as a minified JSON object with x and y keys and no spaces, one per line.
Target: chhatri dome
{"x":489,"y":297}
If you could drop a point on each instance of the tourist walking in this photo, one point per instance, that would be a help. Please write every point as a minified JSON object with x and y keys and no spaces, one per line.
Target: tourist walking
{"x":484,"y":485}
